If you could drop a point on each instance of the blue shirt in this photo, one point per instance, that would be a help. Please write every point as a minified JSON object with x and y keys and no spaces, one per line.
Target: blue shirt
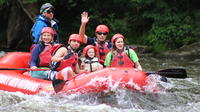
{"x":40,"y":23}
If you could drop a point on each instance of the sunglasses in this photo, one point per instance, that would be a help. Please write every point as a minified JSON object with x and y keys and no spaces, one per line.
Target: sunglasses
{"x":100,"y":33}
{"x":50,"y":11}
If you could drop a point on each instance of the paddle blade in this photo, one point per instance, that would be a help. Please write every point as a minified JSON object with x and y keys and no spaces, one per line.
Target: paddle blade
{"x":173,"y":73}
{"x":58,"y":85}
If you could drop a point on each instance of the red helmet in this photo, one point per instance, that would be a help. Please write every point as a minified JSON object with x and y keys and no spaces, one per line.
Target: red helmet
{"x":48,"y":30}
{"x":102,"y":28}
{"x":75,"y":37}
{"x":114,"y":37}
{"x":87,"y":48}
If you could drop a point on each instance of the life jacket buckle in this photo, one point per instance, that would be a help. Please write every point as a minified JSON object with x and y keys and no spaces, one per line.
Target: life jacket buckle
{"x":121,"y":63}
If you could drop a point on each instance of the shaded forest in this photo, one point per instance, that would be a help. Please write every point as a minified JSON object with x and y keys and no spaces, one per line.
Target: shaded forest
{"x":159,"y":24}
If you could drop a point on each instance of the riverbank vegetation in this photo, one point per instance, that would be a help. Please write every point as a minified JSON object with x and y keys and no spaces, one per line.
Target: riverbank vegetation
{"x":160,"y":24}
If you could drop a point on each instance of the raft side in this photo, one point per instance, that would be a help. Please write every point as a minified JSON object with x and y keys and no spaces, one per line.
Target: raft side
{"x":16,"y":82}
{"x":15,"y":60}
{"x":106,"y":79}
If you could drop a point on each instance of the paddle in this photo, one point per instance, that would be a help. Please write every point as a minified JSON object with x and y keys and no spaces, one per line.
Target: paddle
{"x":171,"y":73}
{"x":24,"y":69}
{"x":58,"y":84}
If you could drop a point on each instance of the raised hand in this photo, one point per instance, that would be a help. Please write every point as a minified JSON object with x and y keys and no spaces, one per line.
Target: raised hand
{"x":84,"y":17}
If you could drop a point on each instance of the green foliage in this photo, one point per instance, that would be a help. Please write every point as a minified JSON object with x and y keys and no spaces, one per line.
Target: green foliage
{"x":29,"y":1}
{"x":160,"y":24}
{"x":34,"y":1}
{"x":171,"y":28}
{"x":170,"y":36}
{"x":2,"y":1}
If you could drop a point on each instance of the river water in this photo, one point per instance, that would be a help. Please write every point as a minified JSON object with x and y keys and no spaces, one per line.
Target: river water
{"x":179,"y":95}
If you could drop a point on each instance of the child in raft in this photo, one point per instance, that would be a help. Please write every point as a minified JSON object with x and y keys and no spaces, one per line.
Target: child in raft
{"x":90,"y":62}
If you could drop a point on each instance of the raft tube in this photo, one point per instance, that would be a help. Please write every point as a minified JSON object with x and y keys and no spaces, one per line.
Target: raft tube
{"x":104,"y":80}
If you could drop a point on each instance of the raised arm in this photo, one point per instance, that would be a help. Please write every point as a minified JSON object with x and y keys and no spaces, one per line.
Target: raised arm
{"x":84,"y":21}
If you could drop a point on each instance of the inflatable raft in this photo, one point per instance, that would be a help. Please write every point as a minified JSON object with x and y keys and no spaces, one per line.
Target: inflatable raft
{"x":102,"y":80}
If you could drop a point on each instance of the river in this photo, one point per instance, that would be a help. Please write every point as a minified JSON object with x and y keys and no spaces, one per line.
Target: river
{"x":180,"y":95}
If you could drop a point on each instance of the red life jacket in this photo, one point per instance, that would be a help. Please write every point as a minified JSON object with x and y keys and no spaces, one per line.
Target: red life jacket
{"x":121,"y":60}
{"x":102,"y":50}
{"x":55,"y":48}
{"x":46,"y":54}
{"x":70,"y":60}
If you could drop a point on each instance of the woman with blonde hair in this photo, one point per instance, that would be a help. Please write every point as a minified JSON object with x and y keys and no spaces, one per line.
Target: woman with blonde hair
{"x":41,"y":54}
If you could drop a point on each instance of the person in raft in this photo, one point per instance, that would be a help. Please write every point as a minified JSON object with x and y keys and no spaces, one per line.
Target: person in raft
{"x":102,"y":31}
{"x":64,"y":61}
{"x":41,"y":53}
{"x":90,"y":62}
{"x":121,"y":56}
{"x":45,"y":19}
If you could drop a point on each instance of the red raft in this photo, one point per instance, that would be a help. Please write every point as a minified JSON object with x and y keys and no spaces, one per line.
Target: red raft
{"x":103,"y":80}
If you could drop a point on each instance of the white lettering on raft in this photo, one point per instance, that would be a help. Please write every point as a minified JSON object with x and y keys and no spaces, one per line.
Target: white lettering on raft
{"x":19,"y":83}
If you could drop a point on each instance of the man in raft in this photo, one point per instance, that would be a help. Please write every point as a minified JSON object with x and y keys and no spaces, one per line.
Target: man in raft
{"x":100,"y":43}
{"x":45,"y":19}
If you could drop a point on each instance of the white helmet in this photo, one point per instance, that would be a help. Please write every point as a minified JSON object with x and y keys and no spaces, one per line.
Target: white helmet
{"x":45,"y":6}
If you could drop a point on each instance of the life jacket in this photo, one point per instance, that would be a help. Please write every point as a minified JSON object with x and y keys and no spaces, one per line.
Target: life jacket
{"x":55,"y":48}
{"x":91,"y":64}
{"x":70,"y":60}
{"x":102,"y":51}
{"x":46,"y":54}
{"x":121,"y":59}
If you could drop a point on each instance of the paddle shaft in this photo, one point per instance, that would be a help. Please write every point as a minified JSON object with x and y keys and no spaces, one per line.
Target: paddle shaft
{"x":24,"y":69}
{"x":170,"y":73}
